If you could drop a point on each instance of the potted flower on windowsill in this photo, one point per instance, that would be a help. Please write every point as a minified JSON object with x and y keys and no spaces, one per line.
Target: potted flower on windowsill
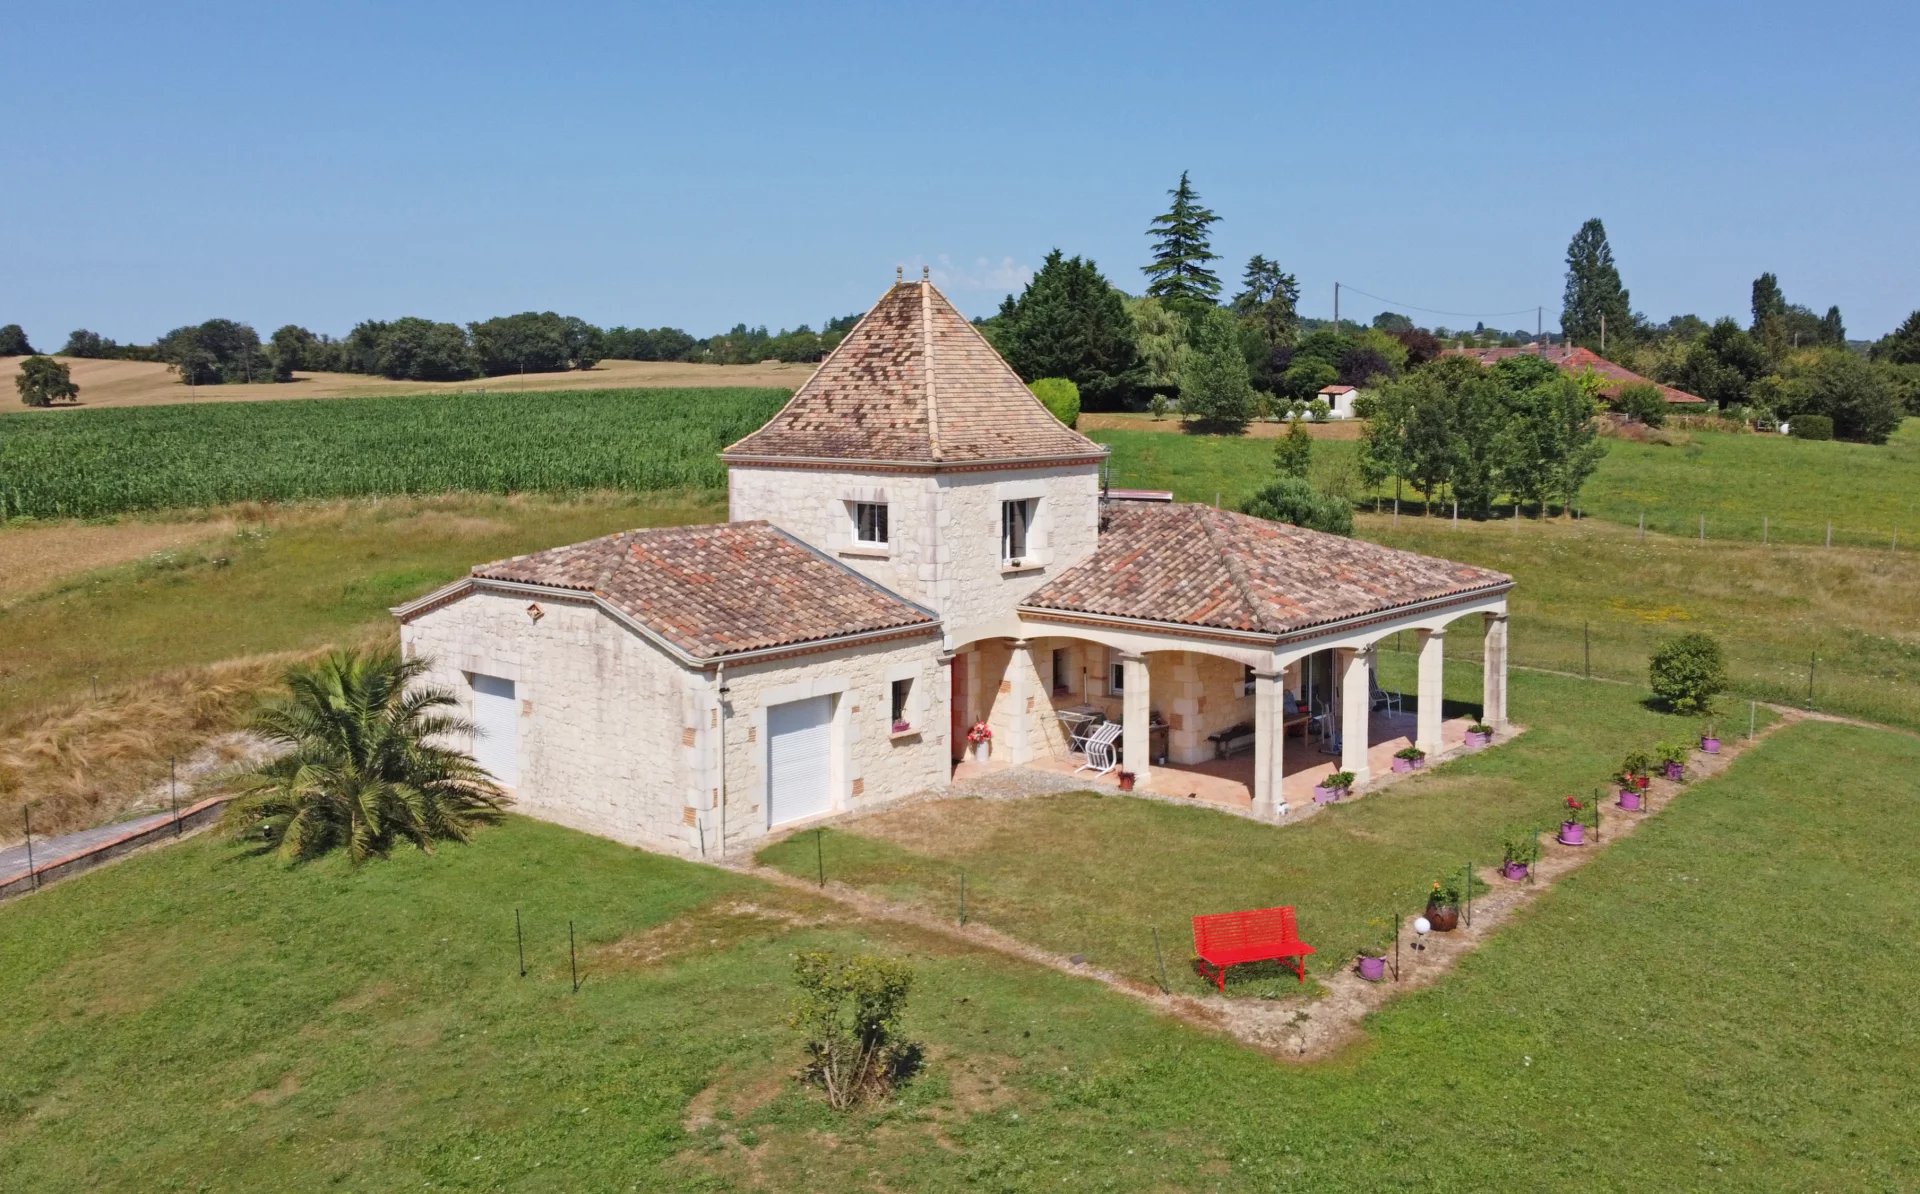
{"x":1332,"y":788}
{"x":1634,"y":779}
{"x":1409,"y":758}
{"x":1479,"y":734}
{"x":1709,"y":739}
{"x":1573,"y":829}
{"x":1673,"y":759}
{"x":1443,"y":906}
{"x":1522,"y":851}
{"x":980,"y":735}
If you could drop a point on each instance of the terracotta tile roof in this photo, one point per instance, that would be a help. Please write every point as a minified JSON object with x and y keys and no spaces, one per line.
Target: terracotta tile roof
{"x":1336,"y":389}
{"x":1198,"y":566}
{"x":1578,"y":360}
{"x":914,"y":383}
{"x":719,"y":590}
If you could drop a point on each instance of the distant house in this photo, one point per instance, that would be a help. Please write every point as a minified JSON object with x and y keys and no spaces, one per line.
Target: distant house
{"x":1339,"y":400}
{"x":1577,"y":361}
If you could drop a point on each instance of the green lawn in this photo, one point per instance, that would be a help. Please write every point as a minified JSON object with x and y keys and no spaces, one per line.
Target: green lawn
{"x":1718,"y":1002}
{"x":1095,"y":875}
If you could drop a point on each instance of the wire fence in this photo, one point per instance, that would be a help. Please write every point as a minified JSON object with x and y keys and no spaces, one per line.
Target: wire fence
{"x":1801,"y":529}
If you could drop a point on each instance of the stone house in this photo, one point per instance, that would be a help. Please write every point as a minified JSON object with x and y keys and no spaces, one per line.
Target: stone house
{"x":916,"y":547}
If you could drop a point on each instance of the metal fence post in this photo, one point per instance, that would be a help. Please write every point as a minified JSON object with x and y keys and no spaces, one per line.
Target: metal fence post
{"x":26,"y":814}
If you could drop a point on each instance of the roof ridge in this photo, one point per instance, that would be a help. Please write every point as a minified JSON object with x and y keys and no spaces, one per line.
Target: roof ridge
{"x":1236,"y":571}
{"x":926,"y":367}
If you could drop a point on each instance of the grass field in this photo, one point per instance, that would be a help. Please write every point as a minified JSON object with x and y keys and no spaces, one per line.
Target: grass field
{"x":1745,"y":485}
{"x":1136,"y":865}
{"x":87,"y":464}
{"x":1717,"y":1002}
{"x":148,"y":383}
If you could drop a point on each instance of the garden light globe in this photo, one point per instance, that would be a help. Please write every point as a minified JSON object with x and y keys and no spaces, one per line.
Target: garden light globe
{"x":1421,"y":924}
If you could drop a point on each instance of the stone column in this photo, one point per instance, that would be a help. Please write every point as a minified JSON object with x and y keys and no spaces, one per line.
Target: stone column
{"x":1493,"y":681}
{"x":1356,"y":667}
{"x":1020,"y":675}
{"x":1269,"y":744}
{"x":1136,"y":739}
{"x":1433,"y":645}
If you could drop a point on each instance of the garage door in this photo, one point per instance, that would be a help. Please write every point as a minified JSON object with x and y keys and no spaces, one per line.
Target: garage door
{"x":497,"y":716}
{"x":799,"y":757}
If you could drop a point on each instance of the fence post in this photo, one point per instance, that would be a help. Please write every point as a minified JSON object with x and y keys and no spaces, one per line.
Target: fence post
{"x":819,"y":856}
{"x":1812,"y":661}
{"x":1166,"y":988}
{"x":1643,"y":525}
{"x":963,"y":897}
{"x":1750,"y":718}
{"x":520,"y":942}
{"x":1396,"y":947}
{"x":1586,"y":643}
{"x":1829,"y":532}
{"x":26,"y":814}
{"x":1703,"y":528}
{"x":573,"y":958}
{"x":1764,"y":529}
{"x":173,"y":791}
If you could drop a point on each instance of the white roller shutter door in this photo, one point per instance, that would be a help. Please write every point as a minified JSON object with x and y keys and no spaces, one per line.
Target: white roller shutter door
{"x":799,"y":760}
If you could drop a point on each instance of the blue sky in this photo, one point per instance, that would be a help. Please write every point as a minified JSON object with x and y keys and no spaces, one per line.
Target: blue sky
{"x":705,"y":164}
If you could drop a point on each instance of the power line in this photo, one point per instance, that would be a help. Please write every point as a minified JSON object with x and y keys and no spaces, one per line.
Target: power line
{"x":1395,"y":305}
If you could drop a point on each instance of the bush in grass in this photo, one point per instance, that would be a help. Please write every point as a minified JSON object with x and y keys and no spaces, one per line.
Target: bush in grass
{"x":1294,"y":500}
{"x":1159,"y":406}
{"x":1644,"y":402}
{"x":848,"y":1012}
{"x":1687,"y":672}
{"x":1810,"y":427}
{"x":1059,"y":396}
{"x":1293,"y":455}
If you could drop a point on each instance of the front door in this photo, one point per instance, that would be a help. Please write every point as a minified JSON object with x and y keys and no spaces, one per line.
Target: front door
{"x":957,"y":709}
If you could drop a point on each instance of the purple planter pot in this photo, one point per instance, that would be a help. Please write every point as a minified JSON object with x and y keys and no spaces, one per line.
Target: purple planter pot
{"x":1710,"y":746}
{"x":1516,"y":871}
{"x":1325,"y":795}
{"x":1676,"y":772}
{"x":1402,"y":765}
{"x":1478,"y":740}
{"x":1632,"y":800}
{"x":1573,"y":833}
{"x":1372,"y":969}
{"x":1419,"y":762}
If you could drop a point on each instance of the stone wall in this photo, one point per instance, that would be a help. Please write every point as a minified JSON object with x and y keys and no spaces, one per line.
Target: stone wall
{"x":604,"y":715}
{"x":975,"y":595}
{"x":814,"y":507}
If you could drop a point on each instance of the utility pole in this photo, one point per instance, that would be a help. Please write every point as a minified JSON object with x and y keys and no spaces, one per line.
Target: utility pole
{"x":1537,"y":324}
{"x":1603,"y":335}
{"x":1336,"y":308}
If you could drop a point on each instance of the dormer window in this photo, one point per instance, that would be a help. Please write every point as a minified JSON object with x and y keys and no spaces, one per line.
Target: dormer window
{"x":869,"y":524}
{"x":1016,"y":522}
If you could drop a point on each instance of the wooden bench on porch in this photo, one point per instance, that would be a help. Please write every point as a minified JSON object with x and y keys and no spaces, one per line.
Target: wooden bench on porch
{"x":1224,"y":939}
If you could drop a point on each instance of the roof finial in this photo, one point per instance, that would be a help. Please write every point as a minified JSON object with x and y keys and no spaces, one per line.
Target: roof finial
{"x":899,"y":273}
{"x":926,"y":273}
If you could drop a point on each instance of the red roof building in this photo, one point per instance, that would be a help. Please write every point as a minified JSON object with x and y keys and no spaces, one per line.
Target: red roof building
{"x":1577,"y":361}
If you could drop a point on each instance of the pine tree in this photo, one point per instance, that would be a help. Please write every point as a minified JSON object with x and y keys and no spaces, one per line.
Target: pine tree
{"x":1181,"y":251}
{"x":1267,"y":300}
{"x":1769,"y":301}
{"x":1594,"y":293}
{"x":1070,"y":322}
{"x":1832,"y":330}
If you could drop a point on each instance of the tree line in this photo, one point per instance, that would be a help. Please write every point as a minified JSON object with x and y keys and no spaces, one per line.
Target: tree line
{"x":417,"y":349}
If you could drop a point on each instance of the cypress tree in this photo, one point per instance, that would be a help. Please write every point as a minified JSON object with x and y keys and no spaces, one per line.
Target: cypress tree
{"x":1181,"y":251}
{"x":1832,"y":330}
{"x":1594,"y":290}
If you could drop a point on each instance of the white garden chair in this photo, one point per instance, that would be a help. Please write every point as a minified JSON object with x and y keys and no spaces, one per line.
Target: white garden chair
{"x":1101,"y":755}
{"x":1379,"y":698}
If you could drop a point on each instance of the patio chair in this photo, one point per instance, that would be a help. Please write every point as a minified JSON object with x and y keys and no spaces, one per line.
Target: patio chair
{"x":1085,"y":730}
{"x":1102,"y":756}
{"x":1379,"y":698}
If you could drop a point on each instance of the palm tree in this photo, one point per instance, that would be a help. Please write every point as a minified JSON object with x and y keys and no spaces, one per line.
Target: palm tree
{"x":362,"y":769}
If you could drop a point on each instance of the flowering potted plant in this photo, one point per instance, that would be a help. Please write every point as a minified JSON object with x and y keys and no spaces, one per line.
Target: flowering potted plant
{"x":1127,"y":779}
{"x":980,"y":735}
{"x":1522,"y":851}
{"x":1443,"y":906}
{"x":1709,"y":739}
{"x":1479,"y":734}
{"x":1333,"y":787}
{"x":902,"y":726}
{"x":1634,"y":780}
{"x":1673,"y":759}
{"x":1573,"y":830}
{"x":1409,"y":758}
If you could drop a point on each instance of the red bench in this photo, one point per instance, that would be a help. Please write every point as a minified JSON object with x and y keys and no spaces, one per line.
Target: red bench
{"x":1226,"y":939}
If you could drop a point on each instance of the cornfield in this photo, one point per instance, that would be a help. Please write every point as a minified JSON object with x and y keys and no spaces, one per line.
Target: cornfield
{"x":90,"y":463}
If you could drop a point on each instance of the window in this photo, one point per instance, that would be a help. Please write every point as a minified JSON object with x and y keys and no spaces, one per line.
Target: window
{"x":1117,"y":678}
{"x":870,"y":524}
{"x":902,"y":695}
{"x":1016,"y":521}
{"x":1062,"y":670}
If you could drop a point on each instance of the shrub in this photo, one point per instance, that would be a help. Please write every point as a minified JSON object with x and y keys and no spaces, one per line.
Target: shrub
{"x":1687,"y":672}
{"x":1320,"y":410}
{"x":1643,"y":402}
{"x":1293,"y":500}
{"x":848,"y":1011}
{"x":1810,"y":427}
{"x":1293,"y":455}
{"x":1159,"y":406}
{"x":1059,"y":396}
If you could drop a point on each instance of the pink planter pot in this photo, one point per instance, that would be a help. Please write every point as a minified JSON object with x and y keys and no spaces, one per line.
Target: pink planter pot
{"x":1478,"y":740}
{"x":1516,"y":871}
{"x":1419,"y":762}
{"x":1710,"y":746}
{"x":1325,"y":795}
{"x":1573,"y":833}
{"x":1373,"y":969}
{"x":1632,"y":800}
{"x":1676,"y":772}
{"x":1403,"y":765}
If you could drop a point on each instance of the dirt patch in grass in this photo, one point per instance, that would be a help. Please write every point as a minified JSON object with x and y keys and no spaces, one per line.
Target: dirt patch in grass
{"x":278,"y":1093}
{"x":34,"y":557}
{"x":942,"y":827}
{"x":718,"y":925}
